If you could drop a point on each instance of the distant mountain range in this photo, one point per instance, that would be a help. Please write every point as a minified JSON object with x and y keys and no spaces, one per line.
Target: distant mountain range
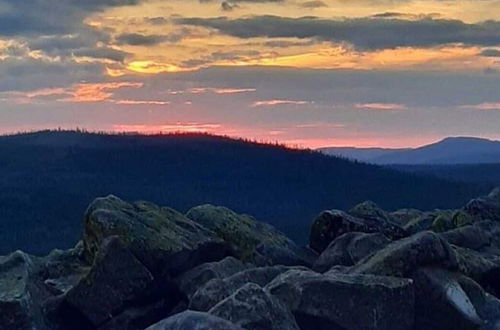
{"x":453,"y":150}
{"x":48,"y":179}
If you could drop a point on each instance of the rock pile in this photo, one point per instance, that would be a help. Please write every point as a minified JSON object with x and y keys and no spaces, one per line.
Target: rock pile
{"x":141,"y":266}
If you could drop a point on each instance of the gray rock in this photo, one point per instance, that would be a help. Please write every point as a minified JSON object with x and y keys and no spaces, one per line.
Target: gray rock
{"x":161,"y":238}
{"x":193,"y":279}
{"x":340,"y":301}
{"x":252,"y":308}
{"x":253,"y":241}
{"x":115,"y":279}
{"x":348,"y":249}
{"x":441,"y":302}
{"x":421,"y":223}
{"x":471,"y":237}
{"x":331,"y":224}
{"x":403,"y":216}
{"x":192,"y":320}
{"x":485,"y":208}
{"x":402,"y":257}
{"x":16,"y":304}
{"x":216,"y":290}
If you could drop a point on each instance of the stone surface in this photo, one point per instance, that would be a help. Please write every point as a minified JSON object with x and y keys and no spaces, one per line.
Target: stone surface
{"x":331,"y":224}
{"x":115,"y":279}
{"x":216,"y":290}
{"x":402,"y":257}
{"x":161,"y":238}
{"x":193,"y":279}
{"x":252,"y":308}
{"x":244,"y":234}
{"x":192,"y":320}
{"x":340,"y":301}
{"x":348,"y":249}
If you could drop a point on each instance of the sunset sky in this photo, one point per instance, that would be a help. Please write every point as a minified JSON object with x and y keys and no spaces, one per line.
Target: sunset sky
{"x":304,"y":72}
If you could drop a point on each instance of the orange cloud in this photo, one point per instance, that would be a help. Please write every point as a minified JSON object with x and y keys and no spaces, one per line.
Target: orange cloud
{"x":97,"y":92}
{"x":381,"y":106}
{"x":136,"y":102}
{"x":204,"y":90}
{"x":270,"y":103}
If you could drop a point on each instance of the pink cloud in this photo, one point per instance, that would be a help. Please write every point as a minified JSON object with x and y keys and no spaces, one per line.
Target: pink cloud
{"x":189,"y":127}
{"x":484,"y":106}
{"x":380,"y":106}
{"x":141,"y":102}
{"x":270,"y":103}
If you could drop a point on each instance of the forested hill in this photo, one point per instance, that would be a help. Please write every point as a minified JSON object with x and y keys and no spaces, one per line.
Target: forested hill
{"x":48,"y":179}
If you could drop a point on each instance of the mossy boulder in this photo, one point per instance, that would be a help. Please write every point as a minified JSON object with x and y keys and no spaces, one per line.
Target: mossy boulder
{"x":252,"y":241}
{"x":160,"y":237}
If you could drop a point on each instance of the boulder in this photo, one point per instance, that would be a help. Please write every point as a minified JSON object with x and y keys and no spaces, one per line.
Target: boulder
{"x":216,"y":290}
{"x":368,"y":210}
{"x":402,"y":257}
{"x":470,"y":236}
{"x":448,"y":220}
{"x":190,"y":281}
{"x":252,"y":308}
{"x":18,"y":309}
{"x":341,"y":301}
{"x":116,"y":279}
{"x":348,"y":249}
{"x":441,"y":302}
{"x":331,"y":224}
{"x":253,"y":241}
{"x":403,"y":216}
{"x":61,"y":270}
{"x":192,"y":320}
{"x":485,"y":208}
{"x":421,"y":223}
{"x":482,"y":268}
{"x":161,"y":238}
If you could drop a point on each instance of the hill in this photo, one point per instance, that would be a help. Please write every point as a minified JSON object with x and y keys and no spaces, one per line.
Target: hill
{"x":48,"y":179}
{"x":453,"y":150}
{"x":485,"y":174}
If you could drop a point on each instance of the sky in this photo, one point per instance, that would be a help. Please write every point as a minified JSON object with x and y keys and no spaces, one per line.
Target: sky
{"x":308,"y":73}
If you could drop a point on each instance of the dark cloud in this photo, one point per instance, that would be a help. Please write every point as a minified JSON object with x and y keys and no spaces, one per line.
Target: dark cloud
{"x":363,"y":33}
{"x":313,"y":4}
{"x":228,"y":6}
{"x":103,"y":53}
{"x":46,"y":17}
{"x":137,"y":39}
{"x":490,"y":53}
{"x":156,"y":20}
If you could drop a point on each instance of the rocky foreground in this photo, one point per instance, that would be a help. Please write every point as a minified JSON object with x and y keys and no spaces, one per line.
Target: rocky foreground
{"x":143,"y":266}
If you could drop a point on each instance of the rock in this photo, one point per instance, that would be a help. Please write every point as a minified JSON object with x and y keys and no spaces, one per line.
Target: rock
{"x":161,"y":238}
{"x":484,"y":269}
{"x":116,"y":279}
{"x":422,"y":223}
{"x":485,"y":208}
{"x":17,"y":308}
{"x":216,"y":290}
{"x":191,"y":320}
{"x":61,"y":270}
{"x":331,"y":224}
{"x":441,"y":302}
{"x":402,"y":257}
{"x":370,"y":211}
{"x":471,"y":237}
{"x":194,"y":278}
{"x":135,"y":318}
{"x":252,"y":308}
{"x":403,"y":216}
{"x":244,"y":234}
{"x":340,"y":301}
{"x":348,"y":249}
{"x":272,"y":254}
